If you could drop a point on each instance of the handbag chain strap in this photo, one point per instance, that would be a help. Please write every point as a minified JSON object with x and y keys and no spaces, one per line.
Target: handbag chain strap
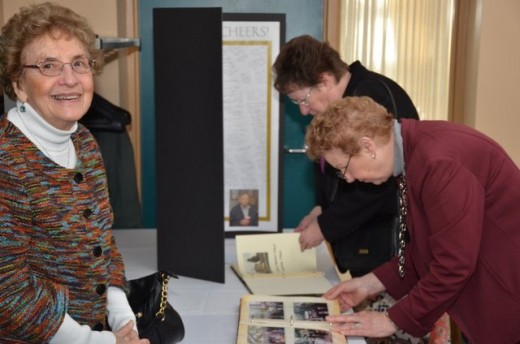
{"x":164,"y":296}
{"x":403,"y":211}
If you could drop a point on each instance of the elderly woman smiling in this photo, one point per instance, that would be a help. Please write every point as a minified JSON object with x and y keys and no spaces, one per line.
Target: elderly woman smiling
{"x":62,"y":276}
{"x":460,"y":228}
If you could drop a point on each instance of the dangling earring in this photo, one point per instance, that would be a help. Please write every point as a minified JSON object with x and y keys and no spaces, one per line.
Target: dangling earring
{"x":22,"y":107}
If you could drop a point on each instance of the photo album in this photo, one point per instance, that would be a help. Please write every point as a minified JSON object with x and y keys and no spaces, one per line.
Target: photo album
{"x":273,"y":264}
{"x":286,"y":319}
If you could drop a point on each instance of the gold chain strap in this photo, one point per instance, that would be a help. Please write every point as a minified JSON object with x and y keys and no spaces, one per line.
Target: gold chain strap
{"x":403,"y":210}
{"x":164,"y":296}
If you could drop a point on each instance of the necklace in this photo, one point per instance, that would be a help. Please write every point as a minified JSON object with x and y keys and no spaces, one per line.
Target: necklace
{"x":403,"y":231}
{"x":42,"y":147}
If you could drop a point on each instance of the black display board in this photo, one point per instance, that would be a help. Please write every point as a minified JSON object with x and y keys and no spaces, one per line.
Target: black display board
{"x":189,"y":141}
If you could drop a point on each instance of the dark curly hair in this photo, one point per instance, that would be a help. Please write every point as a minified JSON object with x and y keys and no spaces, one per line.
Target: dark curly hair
{"x":33,"y":22}
{"x":301,"y":62}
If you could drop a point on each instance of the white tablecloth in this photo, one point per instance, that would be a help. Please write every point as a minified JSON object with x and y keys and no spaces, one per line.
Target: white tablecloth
{"x":209,"y":310}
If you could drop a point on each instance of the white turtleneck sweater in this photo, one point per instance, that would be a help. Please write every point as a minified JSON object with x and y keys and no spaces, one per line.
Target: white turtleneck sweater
{"x":54,"y":143}
{"x":57,"y":145}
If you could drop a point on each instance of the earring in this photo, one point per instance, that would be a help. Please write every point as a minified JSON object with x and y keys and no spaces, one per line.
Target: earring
{"x":22,"y":107}
{"x":373,"y":157}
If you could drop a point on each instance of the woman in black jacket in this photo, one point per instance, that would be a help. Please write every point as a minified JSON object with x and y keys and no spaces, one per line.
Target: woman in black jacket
{"x":312,"y":75}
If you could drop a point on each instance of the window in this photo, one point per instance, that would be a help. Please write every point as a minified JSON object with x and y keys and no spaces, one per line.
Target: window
{"x":408,"y":41}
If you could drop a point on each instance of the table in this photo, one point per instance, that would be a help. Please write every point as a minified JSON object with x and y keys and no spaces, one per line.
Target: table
{"x":209,"y":309}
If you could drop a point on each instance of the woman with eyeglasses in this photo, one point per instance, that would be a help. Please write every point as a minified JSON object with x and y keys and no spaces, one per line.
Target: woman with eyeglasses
{"x":459,"y":195}
{"x":347,"y":215}
{"x":312,"y":75}
{"x":62,"y":277}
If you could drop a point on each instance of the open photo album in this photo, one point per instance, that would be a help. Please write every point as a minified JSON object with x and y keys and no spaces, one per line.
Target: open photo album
{"x":286,"y":319}
{"x":273,"y":264}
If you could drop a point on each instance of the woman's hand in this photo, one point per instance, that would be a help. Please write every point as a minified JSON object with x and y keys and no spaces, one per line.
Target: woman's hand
{"x":307,"y":219}
{"x":364,"y":324}
{"x":127,"y":335}
{"x":309,"y":229}
{"x":311,"y":236}
{"x":348,"y":293}
{"x":352,"y":292}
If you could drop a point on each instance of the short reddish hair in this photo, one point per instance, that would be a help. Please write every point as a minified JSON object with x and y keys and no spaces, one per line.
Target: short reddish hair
{"x":344,"y":122}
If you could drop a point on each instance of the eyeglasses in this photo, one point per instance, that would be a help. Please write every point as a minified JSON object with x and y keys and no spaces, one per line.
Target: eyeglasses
{"x":55,"y":67}
{"x":341,"y":174}
{"x":306,"y":100}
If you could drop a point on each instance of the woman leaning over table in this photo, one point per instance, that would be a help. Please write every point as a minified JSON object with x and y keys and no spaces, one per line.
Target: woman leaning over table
{"x":462,"y":219}
{"x":61,"y":274}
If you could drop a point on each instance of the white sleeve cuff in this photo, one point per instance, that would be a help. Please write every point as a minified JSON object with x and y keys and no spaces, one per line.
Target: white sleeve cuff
{"x":119,"y":310}
{"x":71,"y":331}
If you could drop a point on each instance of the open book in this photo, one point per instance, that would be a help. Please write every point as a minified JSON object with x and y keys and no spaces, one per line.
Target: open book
{"x":273,"y":264}
{"x":286,"y":319}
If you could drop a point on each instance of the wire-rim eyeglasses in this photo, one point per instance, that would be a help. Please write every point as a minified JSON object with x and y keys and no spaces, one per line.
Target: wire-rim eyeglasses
{"x":341,"y":173}
{"x":305,"y":101}
{"x":55,"y":67}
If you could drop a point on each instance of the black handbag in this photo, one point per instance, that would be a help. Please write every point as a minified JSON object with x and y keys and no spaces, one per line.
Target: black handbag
{"x":157,"y":320}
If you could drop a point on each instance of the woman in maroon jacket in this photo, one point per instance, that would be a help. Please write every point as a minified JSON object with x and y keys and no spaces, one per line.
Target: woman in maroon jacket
{"x":460,"y":194}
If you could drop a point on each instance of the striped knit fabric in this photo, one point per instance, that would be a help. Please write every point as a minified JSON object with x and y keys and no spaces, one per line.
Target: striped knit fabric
{"x":57,"y":252}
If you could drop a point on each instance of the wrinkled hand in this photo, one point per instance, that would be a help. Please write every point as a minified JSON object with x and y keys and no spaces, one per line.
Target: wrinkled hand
{"x":311,"y":236}
{"x":352,"y":292}
{"x":365,"y":324}
{"x":311,"y":216}
{"x":348,"y":293}
{"x":127,"y":335}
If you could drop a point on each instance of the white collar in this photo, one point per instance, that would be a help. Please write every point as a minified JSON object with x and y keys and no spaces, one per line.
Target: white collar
{"x":56,"y":144}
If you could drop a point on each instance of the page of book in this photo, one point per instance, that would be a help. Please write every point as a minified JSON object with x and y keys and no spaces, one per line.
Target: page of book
{"x":273,"y":264}
{"x":273,"y":254}
{"x":290,"y":319}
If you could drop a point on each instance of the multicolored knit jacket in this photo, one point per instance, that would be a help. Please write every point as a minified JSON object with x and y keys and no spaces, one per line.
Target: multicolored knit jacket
{"x":57,"y":252}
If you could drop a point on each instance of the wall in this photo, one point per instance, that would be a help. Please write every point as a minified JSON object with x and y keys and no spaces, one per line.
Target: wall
{"x":486,"y":69}
{"x":302,"y":16}
{"x":119,"y":81}
{"x":497,"y":74}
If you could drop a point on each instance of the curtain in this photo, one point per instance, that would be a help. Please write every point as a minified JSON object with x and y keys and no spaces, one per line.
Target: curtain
{"x":409,"y":41}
